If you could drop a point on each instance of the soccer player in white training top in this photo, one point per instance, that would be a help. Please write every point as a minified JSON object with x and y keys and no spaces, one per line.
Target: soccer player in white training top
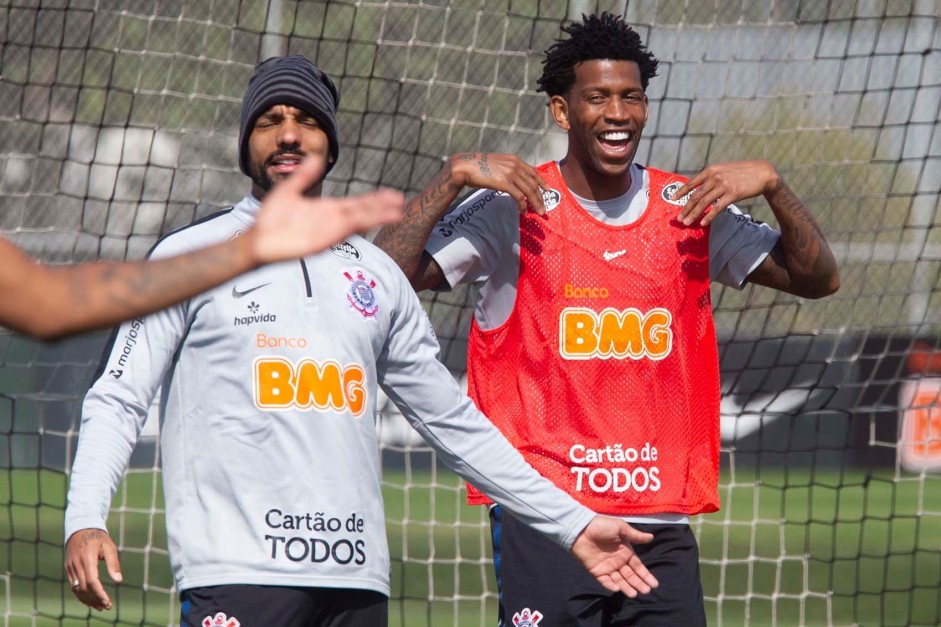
{"x":269,"y":446}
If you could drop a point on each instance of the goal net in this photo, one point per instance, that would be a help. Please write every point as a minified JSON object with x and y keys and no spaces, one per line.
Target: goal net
{"x":118,"y":123}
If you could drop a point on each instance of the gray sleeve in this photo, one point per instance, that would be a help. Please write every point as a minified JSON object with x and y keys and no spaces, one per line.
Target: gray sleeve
{"x":428,"y":396}
{"x":472,"y":240}
{"x":114,"y":412}
{"x":737,"y":245}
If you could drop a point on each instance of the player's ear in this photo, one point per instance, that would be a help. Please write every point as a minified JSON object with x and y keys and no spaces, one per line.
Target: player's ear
{"x":559,"y":107}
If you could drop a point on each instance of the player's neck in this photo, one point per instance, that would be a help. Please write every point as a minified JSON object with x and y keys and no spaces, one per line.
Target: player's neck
{"x":591,"y":184}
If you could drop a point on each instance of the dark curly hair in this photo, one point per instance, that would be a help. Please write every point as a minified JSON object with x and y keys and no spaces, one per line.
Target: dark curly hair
{"x":604,"y":36}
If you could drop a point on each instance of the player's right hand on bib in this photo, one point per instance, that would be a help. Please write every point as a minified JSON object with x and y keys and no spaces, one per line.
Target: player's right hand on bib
{"x":84,"y":549}
{"x":502,"y":172}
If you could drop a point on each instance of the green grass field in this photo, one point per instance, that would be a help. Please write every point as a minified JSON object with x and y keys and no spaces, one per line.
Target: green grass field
{"x":788,"y":548}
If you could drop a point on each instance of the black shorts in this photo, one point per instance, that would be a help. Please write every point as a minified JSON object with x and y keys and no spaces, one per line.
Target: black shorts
{"x":285,"y":606}
{"x":537,"y":575}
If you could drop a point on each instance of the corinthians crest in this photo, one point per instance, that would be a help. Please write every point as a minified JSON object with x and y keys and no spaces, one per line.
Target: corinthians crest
{"x":527,"y":618}
{"x":221,"y":620}
{"x":362,"y":294}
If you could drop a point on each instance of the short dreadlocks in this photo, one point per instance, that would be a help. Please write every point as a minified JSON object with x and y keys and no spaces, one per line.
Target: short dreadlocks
{"x":604,"y":36}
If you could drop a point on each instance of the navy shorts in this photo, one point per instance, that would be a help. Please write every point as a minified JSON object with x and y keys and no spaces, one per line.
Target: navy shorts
{"x":536,"y":575}
{"x":285,"y":606}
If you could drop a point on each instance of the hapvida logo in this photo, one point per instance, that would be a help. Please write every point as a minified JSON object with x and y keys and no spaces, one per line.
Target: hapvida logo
{"x":256,"y":316}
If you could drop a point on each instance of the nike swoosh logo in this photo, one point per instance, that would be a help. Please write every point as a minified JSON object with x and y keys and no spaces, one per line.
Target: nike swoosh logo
{"x":608,"y":256}
{"x":237,"y":294}
{"x":739,"y":420}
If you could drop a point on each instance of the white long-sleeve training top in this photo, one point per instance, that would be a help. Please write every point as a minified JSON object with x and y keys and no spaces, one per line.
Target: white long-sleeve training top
{"x":268,"y":421}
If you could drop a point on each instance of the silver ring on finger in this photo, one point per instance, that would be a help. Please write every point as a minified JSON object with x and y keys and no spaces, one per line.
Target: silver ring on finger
{"x":76,"y":583}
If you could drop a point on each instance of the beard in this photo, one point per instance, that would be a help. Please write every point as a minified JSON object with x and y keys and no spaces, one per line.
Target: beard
{"x":260,"y":178}
{"x":259,"y":171}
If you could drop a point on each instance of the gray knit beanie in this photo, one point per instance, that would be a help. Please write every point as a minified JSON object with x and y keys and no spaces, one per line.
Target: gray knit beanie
{"x":294,"y":81}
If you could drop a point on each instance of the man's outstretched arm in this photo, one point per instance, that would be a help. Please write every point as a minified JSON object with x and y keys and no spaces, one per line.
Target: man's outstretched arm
{"x":53,"y":301}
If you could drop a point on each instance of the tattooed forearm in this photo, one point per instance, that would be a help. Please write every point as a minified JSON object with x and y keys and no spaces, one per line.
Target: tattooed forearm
{"x":62,"y":300}
{"x":161,"y":283}
{"x":405,"y":241}
{"x":802,"y":263}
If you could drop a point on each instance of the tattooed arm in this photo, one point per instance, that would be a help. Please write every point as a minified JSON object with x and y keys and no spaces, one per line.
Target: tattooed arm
{"x":405,"y":241}
{"x":801,"y":263}
{"x":49,"y":302}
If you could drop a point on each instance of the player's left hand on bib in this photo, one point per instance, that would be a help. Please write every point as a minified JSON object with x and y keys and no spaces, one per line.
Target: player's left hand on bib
{"x":503,"y":172}
{"x":722,"y":184}
{"x":605,"y":548}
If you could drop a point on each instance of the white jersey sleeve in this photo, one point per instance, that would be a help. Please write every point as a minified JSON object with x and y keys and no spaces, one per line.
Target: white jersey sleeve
{"x":478,"y":242}
{"x":737,"y":245}
{"x":116,"y":406}
{"x":423,"y":389}
{"x":473,"y":241}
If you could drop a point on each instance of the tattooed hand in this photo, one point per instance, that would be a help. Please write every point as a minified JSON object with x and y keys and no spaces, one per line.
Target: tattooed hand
{"x":405,"y":241}
{"x":503,"y":172}
{"x":83,"y":551}
{"x":723,"y":184}
{"x":801,"y":263}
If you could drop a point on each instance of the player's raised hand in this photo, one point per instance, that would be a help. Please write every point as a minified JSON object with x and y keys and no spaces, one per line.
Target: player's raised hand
{"x":723,"y":184}
{"x":290,"y":224}
{"x":503,"y":172}
{"x":83,"y":551}
{"x":604,"y":548}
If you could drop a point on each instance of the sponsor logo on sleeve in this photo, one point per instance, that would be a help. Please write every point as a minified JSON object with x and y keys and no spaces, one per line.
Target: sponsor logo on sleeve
{"x":130,"y":341}
{"x":362,"y":293}
{"x":453,"y":221}
{"x":346,"y":250}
